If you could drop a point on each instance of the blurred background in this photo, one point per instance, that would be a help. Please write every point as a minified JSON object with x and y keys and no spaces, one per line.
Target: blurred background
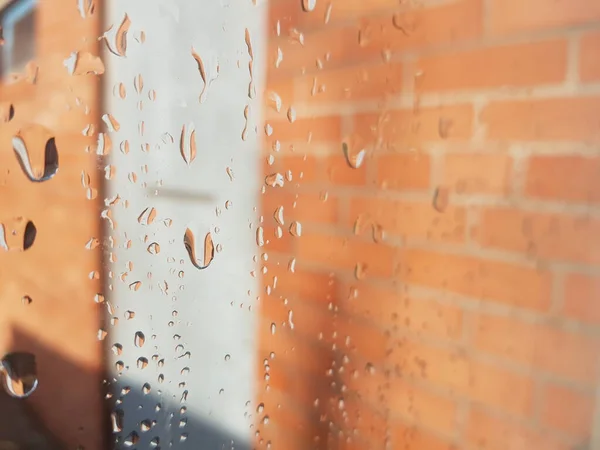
{"x":301,"y":224}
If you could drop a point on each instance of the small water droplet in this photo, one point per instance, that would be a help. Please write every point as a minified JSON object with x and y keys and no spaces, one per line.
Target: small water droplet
{"x":28,"y":144}
{"x":132,"y":439}
{"x":147,"y":216}
{"x":207,"y":252}
{"x":116,"y":38}
{"x":296,"y":229}
{"x":291,"y":115}
{"x":360,"y":271}
{"x":187,"y":143}
{"x":274,"y":100}
{"x":354,"y":159}
{"x":154,"y":248}
{"x":142,"y":363}
{"x":139,"y":339}
{"x":209,"y":72}
{"x":111,"y":123}
{"x":441,"y":199}
{"x":117,"y":349}
{"x":135,"y":286}
{"x":275,"y":179}
{"x":146,"y":388}
{"x":273,"y":328}
{"x":278,"y":216}
{"x":227,"y":357}
{"x":26,"y":300}
{"x":116,"y":420}
{"x":309,"y":5}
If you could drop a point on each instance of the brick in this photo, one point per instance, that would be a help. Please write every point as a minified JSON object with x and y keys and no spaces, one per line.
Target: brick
{"x":413,"y":437}
{"x":407,"y":126}
{"x":455,"y":22}
{"x":310,"y":319}
{"x":361,"y":82}
{"x":316,"y":129}
{"x":477,"y":173}
{"x":431,"y":410}
{"x":546,"y":236}
{"x":298,"y":59}
{"x":357,"y":338}
{"x":305,"y":285}
{"x":569,"y":177}
{"x":589,"y":65}
{"x":302,"y":167}
{"x":272,"y":243}
{"x":294,"y":352}
{"x":543,"y":347}
{"x":486,"y":431}
{"x":422,"y":316}
{"x":458,"y":372}
{"x":529,"y":64}
{"x":420,"y":27}
{"x":358,"y":420}
{"x":557,"y":119}
{"x":404,"y":171}
{"x":340,"y":173}
{"x":581,"y":298}
{"x":568,"y":410}
{"x":305,"y":207}
{"x":291,"y":386}
{"x":512,"y":16}
{"x":410,"y":220}
{"x":291,"y":14}
{"x":494,"y":281}
{"x":341,"y":253}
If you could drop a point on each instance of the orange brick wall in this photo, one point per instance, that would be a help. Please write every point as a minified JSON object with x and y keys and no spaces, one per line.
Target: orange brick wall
{"x":474,"y":323}
{"x":61,"y":323}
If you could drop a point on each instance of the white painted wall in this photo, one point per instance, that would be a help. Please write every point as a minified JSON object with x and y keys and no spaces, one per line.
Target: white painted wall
{"x":211,"y":320}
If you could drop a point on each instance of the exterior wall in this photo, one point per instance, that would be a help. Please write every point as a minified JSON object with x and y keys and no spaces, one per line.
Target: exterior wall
{"x":60,"y":325}
{"x":476,"y":324}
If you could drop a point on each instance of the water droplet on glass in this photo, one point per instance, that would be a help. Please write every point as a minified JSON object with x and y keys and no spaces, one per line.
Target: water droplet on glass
{"x":119,"y":366}
{"x":21,"y":234}
{"x":296,"y":229}
{"x":116,"y":38}
{"x":7,"y":112}
{"x":291,"y":114}
{"x":309,"y":5}
{"x":132,"y":439}
{"x":354,"y":160}
{"x":274,"y":100}
{"x":147,"y":216}
{"x":111,"y":123}
{"x":209,"y":72}
{"x":139,"y":339}
{"x":360,"y":271}
{"x":207,"y":252}
{"x":142,"y":363}
{"x":187,"y":143}
{"x":101,"y":334}
{"x":275,"y":179}
{"x":135,"y":286}
{"x":117,"y":349}
{"x":441,"y":198}
{"x":260,"y":236}
{"x":28,"y":144}
{"x":273,"y":328}
{"x":26,"y":300}
{"x":146,"y":388}
{"x":116,"y":420}
{"x":278,"y":215}
{"x":85,"y":8}
{"x":154,"y":248}
{"x":297,"y":36}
